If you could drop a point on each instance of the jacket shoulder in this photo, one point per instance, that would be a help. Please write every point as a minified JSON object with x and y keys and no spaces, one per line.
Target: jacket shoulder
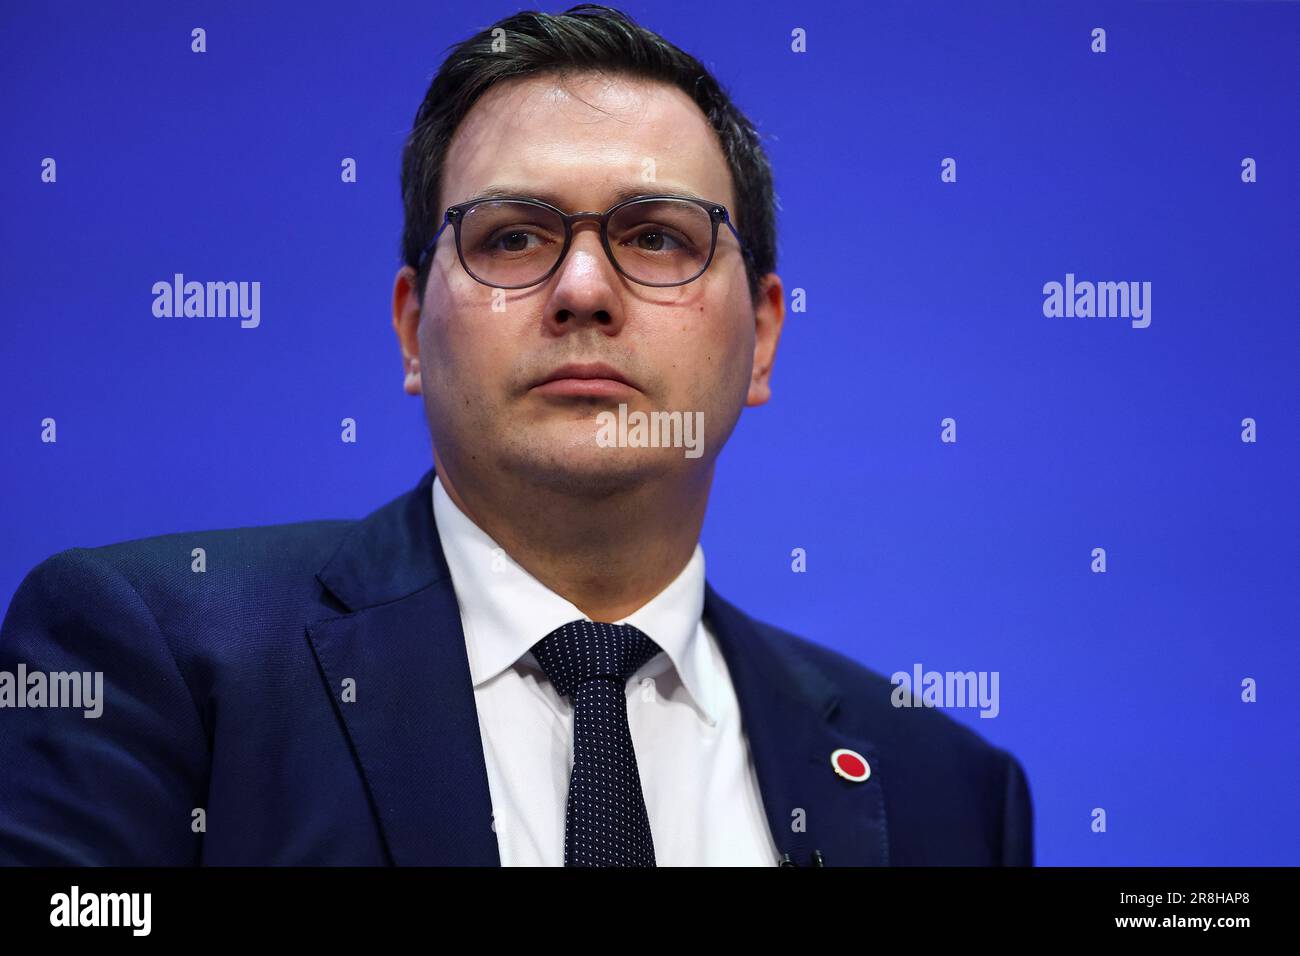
{"x":230,"y":576}
{"x":287,"y":547}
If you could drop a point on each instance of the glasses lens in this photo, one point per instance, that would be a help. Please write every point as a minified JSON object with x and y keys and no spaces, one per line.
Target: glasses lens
{"x":508,"y":243}
{"x":661,"y":241}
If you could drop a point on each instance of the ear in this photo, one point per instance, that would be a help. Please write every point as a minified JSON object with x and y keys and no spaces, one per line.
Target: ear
{"x":769,"y":313}
{"x":406,"y":323}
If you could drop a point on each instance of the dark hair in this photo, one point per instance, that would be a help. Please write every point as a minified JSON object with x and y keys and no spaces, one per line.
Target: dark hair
{"x":585,"y":37}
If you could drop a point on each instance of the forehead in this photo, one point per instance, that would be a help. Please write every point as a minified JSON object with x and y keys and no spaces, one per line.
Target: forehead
{"x":584,"y":140}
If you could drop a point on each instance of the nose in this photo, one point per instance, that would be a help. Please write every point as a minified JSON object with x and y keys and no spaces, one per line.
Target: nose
{"x":586,"y":289}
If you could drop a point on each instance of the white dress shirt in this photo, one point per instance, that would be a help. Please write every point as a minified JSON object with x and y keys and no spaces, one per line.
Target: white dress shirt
{"x":700,"y":789}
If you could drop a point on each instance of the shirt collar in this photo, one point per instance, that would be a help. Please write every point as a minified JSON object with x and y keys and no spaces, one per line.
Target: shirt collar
{"x":505,"y":610}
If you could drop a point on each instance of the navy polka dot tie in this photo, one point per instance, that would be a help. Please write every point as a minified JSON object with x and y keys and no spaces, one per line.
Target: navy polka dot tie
{"x":605,"y":821}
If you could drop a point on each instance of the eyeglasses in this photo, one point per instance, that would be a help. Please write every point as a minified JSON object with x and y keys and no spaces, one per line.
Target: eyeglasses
{"x":513,"y":243}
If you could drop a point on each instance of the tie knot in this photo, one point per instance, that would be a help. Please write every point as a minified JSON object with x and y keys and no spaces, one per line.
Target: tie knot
{"x":581,"y":651}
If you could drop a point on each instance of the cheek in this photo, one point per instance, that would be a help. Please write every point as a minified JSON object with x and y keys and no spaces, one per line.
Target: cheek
{"x":455,"y":334}
{"x":718,"y":355}
{"x":732,"y":329}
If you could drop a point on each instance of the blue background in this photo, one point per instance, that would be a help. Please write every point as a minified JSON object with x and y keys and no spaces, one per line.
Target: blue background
{"x":1118,"y":690}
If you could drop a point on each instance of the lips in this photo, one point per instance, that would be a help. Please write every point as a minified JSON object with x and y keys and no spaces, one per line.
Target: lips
{"x":590,"y":370}
{"x":589,"y":380}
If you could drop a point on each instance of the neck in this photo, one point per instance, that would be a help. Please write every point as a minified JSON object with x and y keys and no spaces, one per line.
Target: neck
{"x":608,"y":557}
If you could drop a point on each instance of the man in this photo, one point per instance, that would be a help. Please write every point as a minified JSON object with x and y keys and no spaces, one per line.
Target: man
{"x":518,"y":661}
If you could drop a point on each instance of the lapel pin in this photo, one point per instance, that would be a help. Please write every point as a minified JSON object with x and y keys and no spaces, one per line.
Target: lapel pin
{"x":850,"y":765}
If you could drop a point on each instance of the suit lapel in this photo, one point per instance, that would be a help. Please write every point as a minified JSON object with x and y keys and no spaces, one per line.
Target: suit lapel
{"x":787,"y":708}
{"x":414,"y":723}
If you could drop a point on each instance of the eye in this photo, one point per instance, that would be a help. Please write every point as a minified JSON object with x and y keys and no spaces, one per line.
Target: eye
{"x":511,"y":240}
{"x":657,"y":239}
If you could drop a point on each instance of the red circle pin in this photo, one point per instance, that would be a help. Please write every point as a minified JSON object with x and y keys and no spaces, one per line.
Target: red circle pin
{"x":850,"y":765}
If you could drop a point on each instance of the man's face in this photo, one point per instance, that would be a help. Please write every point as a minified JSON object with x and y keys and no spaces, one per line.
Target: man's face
{"x":694,"y":348}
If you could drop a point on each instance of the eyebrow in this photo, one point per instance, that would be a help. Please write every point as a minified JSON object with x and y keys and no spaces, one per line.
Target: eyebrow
{"x":504,"y":191}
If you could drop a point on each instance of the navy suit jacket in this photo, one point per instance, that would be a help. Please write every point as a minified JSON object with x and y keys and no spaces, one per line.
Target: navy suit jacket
{"x":224,"y":693}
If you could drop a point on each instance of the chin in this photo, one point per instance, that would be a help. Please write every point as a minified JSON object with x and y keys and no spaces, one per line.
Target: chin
{"x":589,"y":471}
